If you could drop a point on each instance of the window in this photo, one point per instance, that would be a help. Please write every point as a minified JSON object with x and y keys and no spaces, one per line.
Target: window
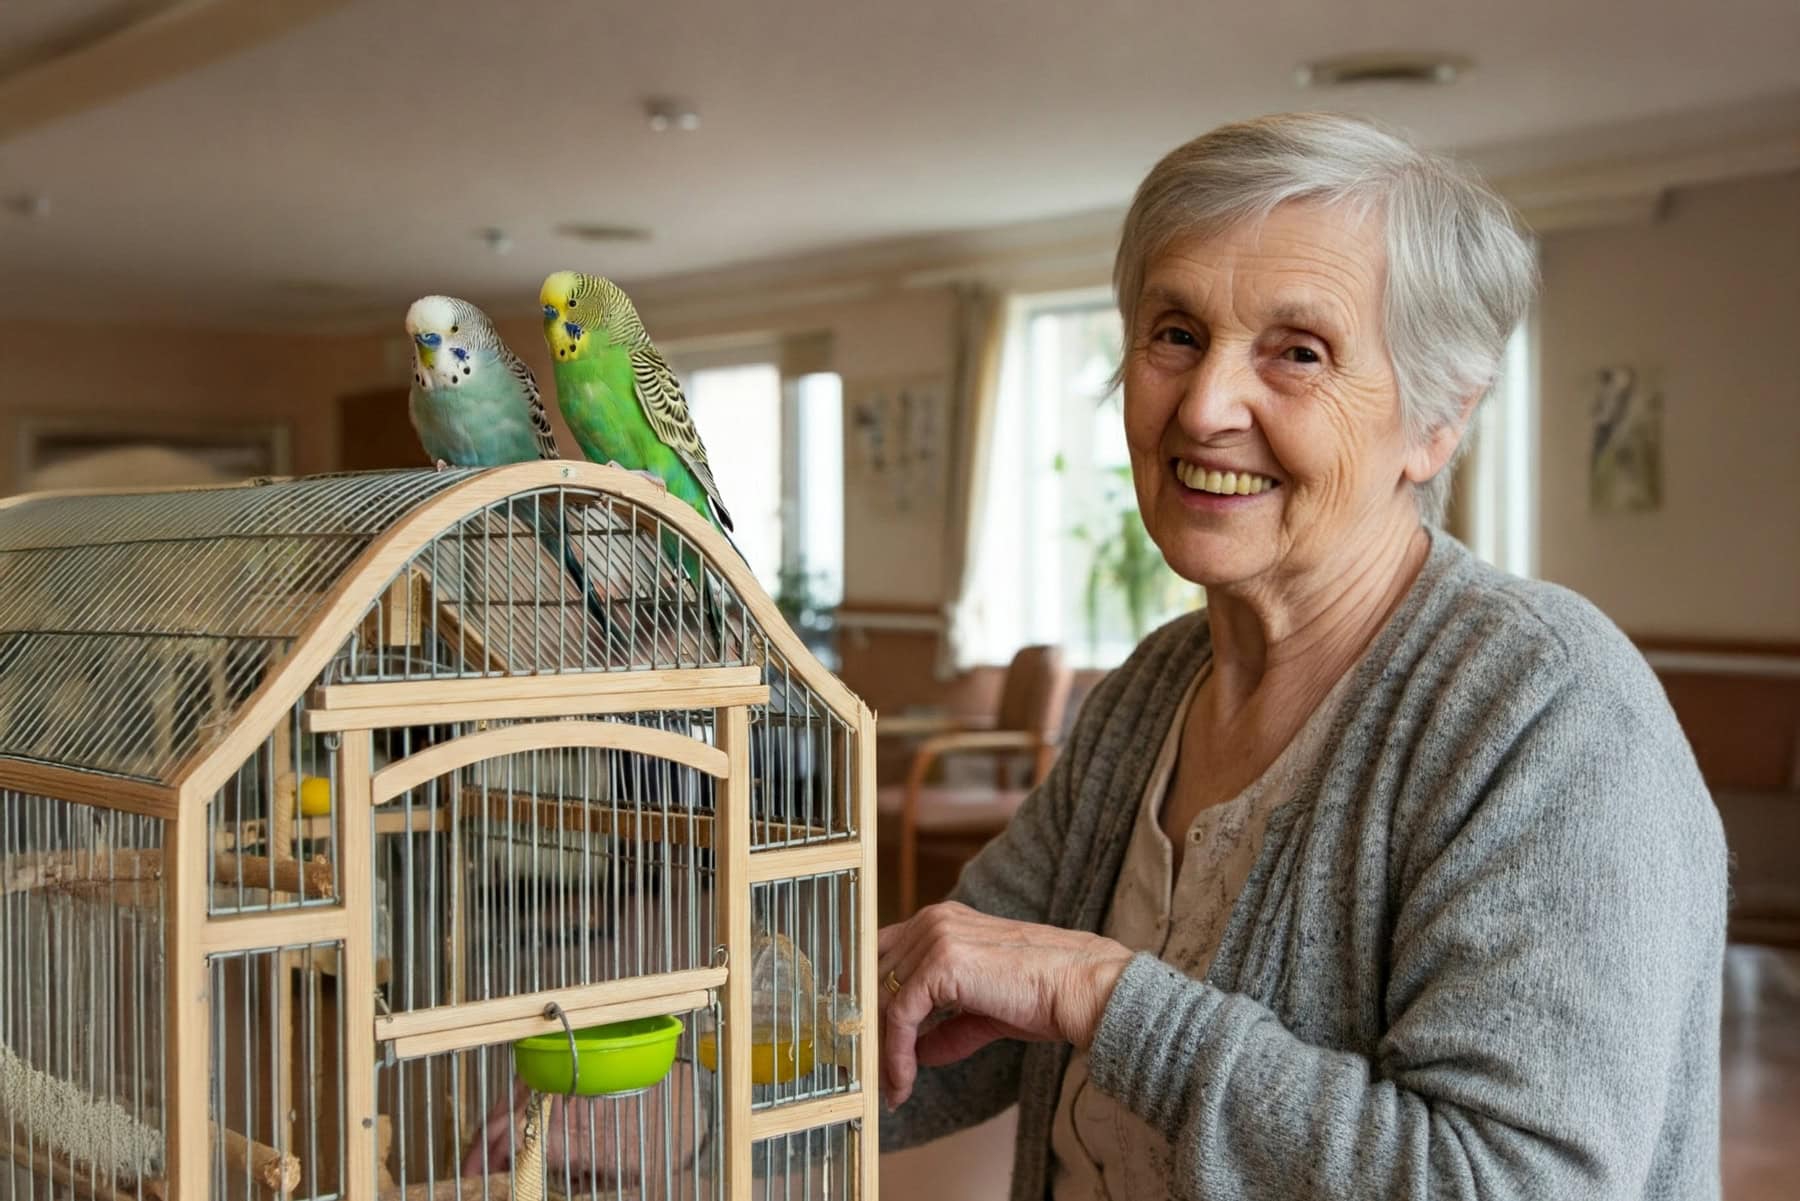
{"x":738,"y":412}
{"x":777,"y":452}
{"x":1064,"y":557}
{"x":814,"y":550}
{"x":1502,"y":490}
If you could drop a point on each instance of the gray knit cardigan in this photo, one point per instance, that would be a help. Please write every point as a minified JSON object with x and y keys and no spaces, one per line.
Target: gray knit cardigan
{"x":1479,"y":955}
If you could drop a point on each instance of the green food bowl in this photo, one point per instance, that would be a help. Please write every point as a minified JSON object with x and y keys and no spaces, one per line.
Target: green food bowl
{"x":624,"y":1057}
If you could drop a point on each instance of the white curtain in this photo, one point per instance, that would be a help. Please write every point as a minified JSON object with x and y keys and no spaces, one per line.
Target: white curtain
{"x":975,"y":384}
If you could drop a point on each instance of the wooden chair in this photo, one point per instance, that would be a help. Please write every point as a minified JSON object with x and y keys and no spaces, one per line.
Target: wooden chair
{"x":1025,"y":727}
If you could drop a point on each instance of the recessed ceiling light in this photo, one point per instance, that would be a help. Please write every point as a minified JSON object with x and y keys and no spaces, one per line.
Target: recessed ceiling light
{"x":665,"y":114}
{"x":497,"y":239}
{"x":323,"y":289}
{"x":29,"y":204}
{"x":1402,"y":67}
{"x":590,"y":231}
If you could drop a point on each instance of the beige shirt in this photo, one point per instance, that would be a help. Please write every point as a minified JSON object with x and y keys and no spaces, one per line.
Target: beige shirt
{"x":1101,"y":1151}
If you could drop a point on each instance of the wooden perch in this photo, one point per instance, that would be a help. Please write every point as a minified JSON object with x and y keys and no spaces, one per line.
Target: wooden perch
{"x":279,"y":875}
{"x":80,"y":1181}
{"x":467,"y":1188}
{"x":61,"y":868}
{"x":275,"y":1172}
{"x":25,"y":872}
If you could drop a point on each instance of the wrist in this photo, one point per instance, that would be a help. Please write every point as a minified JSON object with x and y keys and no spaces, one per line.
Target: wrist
{"x":1102,"y":977}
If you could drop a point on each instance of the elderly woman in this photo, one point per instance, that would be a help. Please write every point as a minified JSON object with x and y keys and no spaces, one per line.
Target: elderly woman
{"x":1387,"y":875}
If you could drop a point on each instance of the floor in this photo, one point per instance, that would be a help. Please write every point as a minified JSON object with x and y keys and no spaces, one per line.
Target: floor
{"x":1760,"y":1069}
{"x":1759,"y":1102}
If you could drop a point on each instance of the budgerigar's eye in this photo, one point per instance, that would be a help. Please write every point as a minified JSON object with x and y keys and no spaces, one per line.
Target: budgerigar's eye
{"x":453,"y":329}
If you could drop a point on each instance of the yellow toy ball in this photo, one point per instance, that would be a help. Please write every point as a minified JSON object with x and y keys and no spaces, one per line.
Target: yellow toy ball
{"x":315,"y":796}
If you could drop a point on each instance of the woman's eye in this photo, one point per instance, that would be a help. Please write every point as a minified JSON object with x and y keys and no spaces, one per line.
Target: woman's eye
{"x":1176,"y":335}
{"x":1301,"y":354}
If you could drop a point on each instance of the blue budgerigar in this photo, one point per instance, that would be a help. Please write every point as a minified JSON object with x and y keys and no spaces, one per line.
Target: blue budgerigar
{"x":474,"y":402}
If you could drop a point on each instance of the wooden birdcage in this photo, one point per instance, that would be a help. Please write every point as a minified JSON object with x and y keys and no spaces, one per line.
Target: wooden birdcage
{"x":320,"y":793}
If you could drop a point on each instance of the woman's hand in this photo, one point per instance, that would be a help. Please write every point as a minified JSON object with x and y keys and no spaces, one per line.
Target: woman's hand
{"x":997,"y":978}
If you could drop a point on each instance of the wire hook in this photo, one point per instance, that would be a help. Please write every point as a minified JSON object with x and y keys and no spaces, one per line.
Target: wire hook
{"x":554,"y":1012}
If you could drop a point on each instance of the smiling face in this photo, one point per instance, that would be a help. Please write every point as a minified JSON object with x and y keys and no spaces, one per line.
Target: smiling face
{"x":1261,"y":407}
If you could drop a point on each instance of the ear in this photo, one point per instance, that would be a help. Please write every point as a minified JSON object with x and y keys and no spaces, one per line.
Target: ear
{"x":1428,"y":457}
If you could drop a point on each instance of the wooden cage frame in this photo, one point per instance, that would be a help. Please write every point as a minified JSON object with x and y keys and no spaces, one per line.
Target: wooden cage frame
{"x":189,"y":859}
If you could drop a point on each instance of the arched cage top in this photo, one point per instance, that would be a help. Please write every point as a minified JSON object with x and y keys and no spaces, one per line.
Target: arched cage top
{"x":136,"y":628}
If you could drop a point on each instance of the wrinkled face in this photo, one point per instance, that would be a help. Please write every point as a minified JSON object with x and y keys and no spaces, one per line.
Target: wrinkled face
{"x":568,"y":317}
{"x":1261,"y":408}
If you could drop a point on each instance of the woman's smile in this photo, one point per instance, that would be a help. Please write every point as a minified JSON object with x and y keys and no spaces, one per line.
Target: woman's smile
{"x":1211,"y":489}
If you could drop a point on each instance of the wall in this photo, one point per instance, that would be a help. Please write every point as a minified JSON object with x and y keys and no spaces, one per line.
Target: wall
{"x":143,"y":373}
{"x":1708,"y":299}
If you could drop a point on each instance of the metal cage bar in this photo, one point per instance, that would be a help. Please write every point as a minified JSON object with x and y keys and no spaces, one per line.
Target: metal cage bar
{"x":82,"y":1088}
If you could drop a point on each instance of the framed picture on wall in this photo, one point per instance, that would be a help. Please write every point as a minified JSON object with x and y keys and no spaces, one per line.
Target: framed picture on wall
{"x":1625,"y":455}
{"x":897,"y":430}
{"x":101,"y":451}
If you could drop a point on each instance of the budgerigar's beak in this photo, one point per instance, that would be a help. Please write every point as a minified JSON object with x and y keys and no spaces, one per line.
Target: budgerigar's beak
{"x":428,"y":344}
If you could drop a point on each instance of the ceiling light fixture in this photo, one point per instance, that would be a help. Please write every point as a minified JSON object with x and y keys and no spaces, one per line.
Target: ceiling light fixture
{"x":30,"y":205}
{"x":592,"y":231}
{"x":1398,"y":67}
{"x":497,"y":239}
{"x":665,"y":114}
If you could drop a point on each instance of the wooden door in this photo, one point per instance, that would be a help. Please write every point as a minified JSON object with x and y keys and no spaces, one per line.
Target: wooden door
{"x":375,"y":432}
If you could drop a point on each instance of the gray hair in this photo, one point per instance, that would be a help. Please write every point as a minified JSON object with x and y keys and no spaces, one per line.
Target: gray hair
{"x":1461,"y":271}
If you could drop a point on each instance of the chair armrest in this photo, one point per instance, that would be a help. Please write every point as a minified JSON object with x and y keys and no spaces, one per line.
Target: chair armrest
{"x":924,"y":725}
{"x":985,"y":742}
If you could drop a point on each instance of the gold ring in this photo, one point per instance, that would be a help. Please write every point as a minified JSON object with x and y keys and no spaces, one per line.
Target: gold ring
{"x":891,"y":982}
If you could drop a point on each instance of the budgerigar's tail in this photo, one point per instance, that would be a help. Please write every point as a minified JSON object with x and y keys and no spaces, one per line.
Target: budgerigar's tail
{"x":630,"y":590}
{"x":548,"y":524}
{"x":709,"y":588}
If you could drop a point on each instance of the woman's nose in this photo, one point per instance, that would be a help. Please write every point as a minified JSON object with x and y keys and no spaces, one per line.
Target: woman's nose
{"x":1218,"y":394}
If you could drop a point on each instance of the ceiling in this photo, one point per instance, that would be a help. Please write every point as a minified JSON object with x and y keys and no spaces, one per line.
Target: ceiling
{"x":350,"y":162}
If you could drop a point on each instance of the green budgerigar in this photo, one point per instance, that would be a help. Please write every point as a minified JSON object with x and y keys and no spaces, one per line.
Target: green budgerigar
{"x":621,"y":400}
{"x":474,"y":403}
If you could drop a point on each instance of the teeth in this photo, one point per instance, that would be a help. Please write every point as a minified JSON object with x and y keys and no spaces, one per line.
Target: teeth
{"x":1223,"y":483}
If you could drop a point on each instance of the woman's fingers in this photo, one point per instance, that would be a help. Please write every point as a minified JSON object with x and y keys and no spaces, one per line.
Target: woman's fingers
{"x":904,"y":946}
{"x":958,"y":1037}
{"x":904,"y":1007}
{"x":492,"y":1151}
{"x":998,"y":978}
{"x":901,"y":1019}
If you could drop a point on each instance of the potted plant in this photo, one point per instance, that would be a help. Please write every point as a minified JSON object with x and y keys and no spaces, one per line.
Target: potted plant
{"x":800,"y":597}
{"x":1126,"y":565}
